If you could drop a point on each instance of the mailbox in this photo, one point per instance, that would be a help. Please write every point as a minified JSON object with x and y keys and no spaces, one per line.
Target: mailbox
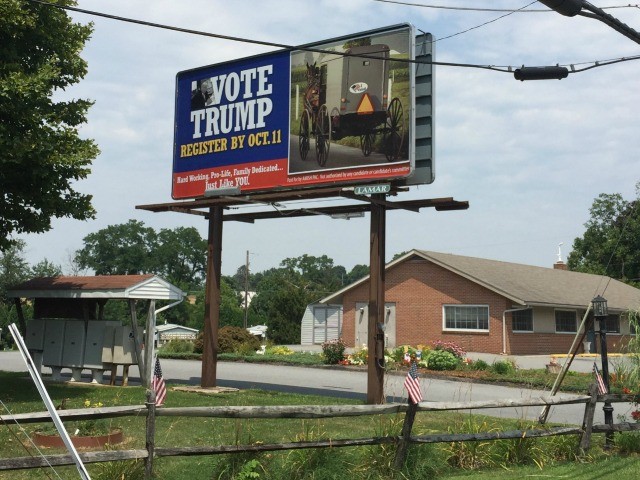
{"x":35,"y":334}
{"x":99,"y":336}
{"x":53,"y":342}
{"x":73,"y":344}
{"x":124,"y":350}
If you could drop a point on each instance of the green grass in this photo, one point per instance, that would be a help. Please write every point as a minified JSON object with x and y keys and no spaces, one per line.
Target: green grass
{"x":602,"y":468}
{"x":446,"y":460}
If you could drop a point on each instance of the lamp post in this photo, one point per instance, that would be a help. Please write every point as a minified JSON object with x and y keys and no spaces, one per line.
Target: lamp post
{"x":600,"y":313}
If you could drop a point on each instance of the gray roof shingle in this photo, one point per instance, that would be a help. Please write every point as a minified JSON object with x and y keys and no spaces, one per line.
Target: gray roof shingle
{"x":526,"y":284}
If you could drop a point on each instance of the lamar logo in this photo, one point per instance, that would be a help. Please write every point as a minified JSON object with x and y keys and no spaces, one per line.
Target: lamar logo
{"x":358,"y":87}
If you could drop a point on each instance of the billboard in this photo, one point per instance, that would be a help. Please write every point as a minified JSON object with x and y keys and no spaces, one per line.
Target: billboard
{"x":340,"y":111}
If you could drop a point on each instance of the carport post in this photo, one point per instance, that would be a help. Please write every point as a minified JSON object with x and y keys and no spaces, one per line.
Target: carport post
{"x":375,"y":333}
{"x":212,"y":298}
{"x":150,"y":347}
{"x":136,"y":343}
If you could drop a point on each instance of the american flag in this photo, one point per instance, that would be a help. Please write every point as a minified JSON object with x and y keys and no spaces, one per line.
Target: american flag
{"x":412,"y":384}
{"x":157,"y":383}
{"x":602,"y":389}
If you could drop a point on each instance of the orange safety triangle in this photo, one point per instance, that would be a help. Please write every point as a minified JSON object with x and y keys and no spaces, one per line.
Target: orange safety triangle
{"x":365,"y":106}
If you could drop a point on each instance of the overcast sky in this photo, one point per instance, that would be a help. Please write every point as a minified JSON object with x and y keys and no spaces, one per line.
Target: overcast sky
{"x":530,"y":157}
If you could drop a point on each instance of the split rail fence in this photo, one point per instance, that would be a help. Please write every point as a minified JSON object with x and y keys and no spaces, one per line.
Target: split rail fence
{"x":401,"y":441}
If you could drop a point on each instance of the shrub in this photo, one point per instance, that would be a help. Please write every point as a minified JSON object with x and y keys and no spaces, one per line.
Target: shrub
{"x":236,"y":339}
{"x":450,"y":347}
{"x":178,"y":346}
{"x":399,"y":354}
{"x":333,"y":351}
{"x":628,"y":442}
{"x":503,"y":367}
{"x":479,"y":365}
{"x":359,"y":357}
{"x":198,"y":344}
{"x":442,"y":360}
{"x":279,"y":350}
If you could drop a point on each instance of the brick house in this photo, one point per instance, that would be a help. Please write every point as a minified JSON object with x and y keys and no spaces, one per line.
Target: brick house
{"x":486,"y":305}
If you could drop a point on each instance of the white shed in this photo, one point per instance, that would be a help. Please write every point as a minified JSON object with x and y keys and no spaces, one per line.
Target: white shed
{"x":321,"y":323}
{"x":170,"y":331}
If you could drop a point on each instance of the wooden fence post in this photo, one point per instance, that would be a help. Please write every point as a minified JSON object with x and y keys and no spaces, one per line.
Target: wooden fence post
{"x":405,"y":436}
{"x":587,"y":423}
{"x":151,"y":433}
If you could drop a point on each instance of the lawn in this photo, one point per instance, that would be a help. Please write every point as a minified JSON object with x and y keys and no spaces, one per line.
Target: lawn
{"x":445,"y":460}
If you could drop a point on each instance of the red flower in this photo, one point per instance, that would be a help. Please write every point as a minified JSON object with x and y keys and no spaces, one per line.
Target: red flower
{"x":626,"y":391}
{"x":636,"y":415}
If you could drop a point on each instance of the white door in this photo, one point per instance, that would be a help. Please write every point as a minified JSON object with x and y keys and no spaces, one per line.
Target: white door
{"x":362,"y":321}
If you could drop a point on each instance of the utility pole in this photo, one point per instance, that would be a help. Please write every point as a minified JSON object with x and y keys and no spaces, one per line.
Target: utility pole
{"x":246,"y":290}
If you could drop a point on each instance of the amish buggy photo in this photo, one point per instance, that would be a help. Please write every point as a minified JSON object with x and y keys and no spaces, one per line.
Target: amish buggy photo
{"x":348,"y":96}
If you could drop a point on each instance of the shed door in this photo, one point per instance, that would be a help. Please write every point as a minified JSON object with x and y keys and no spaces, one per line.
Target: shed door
{"x":327,"y":324}
{"x":319,"y":325}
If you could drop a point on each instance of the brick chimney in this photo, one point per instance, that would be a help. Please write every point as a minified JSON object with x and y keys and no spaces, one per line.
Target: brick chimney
{"x":560,"y":265}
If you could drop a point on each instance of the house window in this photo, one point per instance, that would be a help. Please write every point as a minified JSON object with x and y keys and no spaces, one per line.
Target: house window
{"x":522,"y":320}
{"x":466,"y":317}
{"x":612,"y":324}
{"x":566,"y":321}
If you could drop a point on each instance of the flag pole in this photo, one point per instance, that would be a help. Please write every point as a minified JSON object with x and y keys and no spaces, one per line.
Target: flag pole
{"x":407,"y":426}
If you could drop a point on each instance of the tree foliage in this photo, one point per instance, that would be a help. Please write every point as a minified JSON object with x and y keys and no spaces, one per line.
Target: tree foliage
{"x":283,"y":293}
{"x":124,"y":249}
{"x":611,"y":242}
{"x":41,"y":153}
{"x":14,"y":268}
{"x":178,"y":255}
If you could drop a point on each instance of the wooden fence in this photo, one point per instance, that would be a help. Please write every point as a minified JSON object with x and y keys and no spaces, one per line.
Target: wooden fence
{"x":312,"y":412}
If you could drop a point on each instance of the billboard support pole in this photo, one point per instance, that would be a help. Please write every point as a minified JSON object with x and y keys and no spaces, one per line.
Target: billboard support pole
{"x":375,"y":326}
{"x":212,"y":298}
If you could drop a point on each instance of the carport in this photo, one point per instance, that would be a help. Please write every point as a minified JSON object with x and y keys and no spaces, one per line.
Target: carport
{"x":84,"y":297}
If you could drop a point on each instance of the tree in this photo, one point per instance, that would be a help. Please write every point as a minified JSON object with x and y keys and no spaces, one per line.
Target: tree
{"x":280,"y":302}
{"x":357,"y":272}
{"x":180,"y":256}
{"x":318,"y":274}
{"x":14,"y":268}
{"x":45,"y":268}
{"x":41,"y":153}
{"x":611,"y":242}
{"x":284,"y":293}
{"x":123,"y":249}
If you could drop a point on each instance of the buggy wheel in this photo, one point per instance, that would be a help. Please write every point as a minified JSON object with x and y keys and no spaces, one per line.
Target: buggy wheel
{"x":393,"y":131}
{"x":323,"y":135}
{"x":366,"y":143}
{"x":303,"y":136}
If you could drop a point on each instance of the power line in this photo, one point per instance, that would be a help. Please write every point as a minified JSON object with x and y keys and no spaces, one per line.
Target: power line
{"x":309,"y":48}
{"x":510,"y":12}
{"x":476,"y":9}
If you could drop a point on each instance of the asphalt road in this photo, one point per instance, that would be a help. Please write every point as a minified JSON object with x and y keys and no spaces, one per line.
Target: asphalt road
{"x":345,"y":383}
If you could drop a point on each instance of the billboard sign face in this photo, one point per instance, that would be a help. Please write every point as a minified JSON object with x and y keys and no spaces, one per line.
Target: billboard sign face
{"x":339,"y":111}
